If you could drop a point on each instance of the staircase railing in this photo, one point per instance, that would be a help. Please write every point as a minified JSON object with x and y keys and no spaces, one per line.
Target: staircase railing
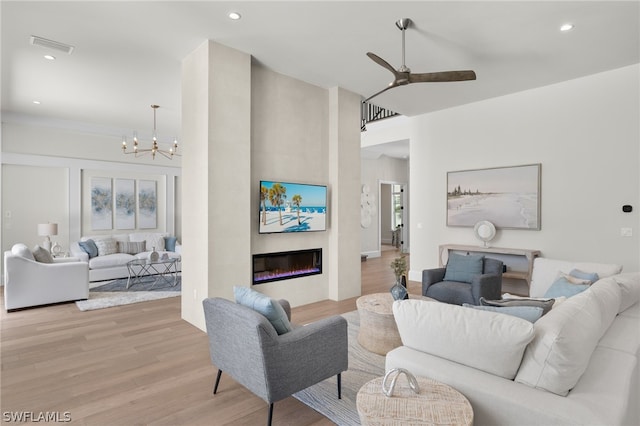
{"x":370,"y":112}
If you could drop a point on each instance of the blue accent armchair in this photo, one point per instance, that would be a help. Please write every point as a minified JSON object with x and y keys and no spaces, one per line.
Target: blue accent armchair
{"x":488,"y":284}
{"x":244,"y":344}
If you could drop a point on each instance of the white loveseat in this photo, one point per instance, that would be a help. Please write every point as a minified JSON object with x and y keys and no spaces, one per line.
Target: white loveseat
{"x":577,"y":365}
{"x":111,"y":263}
{"x":28,"y":282}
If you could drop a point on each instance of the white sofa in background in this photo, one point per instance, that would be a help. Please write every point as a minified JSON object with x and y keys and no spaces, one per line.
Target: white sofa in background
{"x":28,"y":282}
{"x":577,"y":365}
{"x":114,"y":265}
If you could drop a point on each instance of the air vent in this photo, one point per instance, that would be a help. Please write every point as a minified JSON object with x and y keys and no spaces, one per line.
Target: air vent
{"x":51,"y":44}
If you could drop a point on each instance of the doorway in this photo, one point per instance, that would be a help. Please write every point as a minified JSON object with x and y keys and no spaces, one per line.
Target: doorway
{"x":392,"y":226}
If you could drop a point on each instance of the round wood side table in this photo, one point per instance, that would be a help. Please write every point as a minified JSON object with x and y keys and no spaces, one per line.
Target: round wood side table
{"x":378,"y":330}
{"x":436,"y":404}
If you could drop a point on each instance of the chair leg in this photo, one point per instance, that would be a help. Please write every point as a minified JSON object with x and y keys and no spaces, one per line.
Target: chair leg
{"x":339,"y":385}
{"x":215,"y":387}
{"x":270,"y":414}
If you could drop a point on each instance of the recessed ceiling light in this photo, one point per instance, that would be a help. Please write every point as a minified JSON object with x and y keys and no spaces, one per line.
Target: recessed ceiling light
{"x":50,"y":57}
{"x":566,"y":27}
{"x":36,"y":102}
{"x":234,"y":15}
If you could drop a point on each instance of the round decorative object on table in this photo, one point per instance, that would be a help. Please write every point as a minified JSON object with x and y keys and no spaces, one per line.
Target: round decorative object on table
{"x":485,"y":231}
{"x":154,"y":255}
{"x":434,"y":404}
{"x":378,"y":330}
{"x":56,"y":249}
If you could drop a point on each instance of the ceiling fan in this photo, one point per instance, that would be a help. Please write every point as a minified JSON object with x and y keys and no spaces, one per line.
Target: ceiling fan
{"x":403,"y":75}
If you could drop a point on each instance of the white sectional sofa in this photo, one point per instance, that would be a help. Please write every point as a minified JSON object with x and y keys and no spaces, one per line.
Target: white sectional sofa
{"x":576,"y":365}
{"x":114,"y":251}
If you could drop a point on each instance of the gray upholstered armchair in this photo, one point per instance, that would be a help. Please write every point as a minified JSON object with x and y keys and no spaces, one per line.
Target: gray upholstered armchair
{"x":244,"y":344}
{"x":458,"y":287}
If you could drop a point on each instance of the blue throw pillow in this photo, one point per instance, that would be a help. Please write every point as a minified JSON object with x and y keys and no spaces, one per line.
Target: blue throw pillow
{"x":529,"y":313}
{"x":591,"y":276}
{"x":170,"y":243}
{"x":89,"y":247}
{"x":463,"y":268}
{"x":563,"y":287}
{"x":265,"y":305}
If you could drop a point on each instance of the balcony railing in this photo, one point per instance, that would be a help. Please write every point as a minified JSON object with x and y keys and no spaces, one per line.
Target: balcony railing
{"x":370,"y":112}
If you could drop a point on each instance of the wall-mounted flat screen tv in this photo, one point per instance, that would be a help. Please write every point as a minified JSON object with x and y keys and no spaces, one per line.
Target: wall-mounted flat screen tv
{"x":292,"y":207}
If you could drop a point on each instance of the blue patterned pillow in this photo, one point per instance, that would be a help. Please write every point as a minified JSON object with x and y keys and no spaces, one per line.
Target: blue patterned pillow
{"x":463,"y":268}
{"x":263,"y":304}
{"x":89,"y":247}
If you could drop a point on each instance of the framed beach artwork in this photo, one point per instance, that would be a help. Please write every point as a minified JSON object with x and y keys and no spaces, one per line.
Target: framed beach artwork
{"x":508,"y":197}
{"x":147,"y":204}
{"x":101,"y":204}
{"x":125,"y":204}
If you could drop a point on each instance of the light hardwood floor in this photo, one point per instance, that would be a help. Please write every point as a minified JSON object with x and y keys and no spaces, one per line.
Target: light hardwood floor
{"x":141,"y":364}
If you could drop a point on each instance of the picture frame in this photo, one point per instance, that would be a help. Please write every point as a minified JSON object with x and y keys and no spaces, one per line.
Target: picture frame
{"x":101,"y":204}
{"x":125,"y":202}
{"x":508,"y":197}
{"x":147,"y":204}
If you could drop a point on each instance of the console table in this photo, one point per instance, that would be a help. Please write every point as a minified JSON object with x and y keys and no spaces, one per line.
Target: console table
{"x":519,"y":262}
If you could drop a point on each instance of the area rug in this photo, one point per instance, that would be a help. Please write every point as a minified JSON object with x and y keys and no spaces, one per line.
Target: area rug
{"x":114,"y":293}
{"x":363,"y":366}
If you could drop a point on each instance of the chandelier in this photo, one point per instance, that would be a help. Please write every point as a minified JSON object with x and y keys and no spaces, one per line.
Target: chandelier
{"x":155,"y":149}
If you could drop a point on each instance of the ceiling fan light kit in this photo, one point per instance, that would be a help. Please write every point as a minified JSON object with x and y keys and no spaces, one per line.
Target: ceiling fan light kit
{"x":403,"y":74}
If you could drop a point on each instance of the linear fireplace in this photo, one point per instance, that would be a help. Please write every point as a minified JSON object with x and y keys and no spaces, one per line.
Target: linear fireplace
{"x":286,"y":265}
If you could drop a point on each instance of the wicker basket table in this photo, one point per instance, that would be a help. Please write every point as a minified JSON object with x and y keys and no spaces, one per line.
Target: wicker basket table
{"x":436,"y":404}
{"x":378,"y":330}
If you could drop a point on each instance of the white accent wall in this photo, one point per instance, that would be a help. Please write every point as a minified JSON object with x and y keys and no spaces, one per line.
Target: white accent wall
{"x":585,"y":133}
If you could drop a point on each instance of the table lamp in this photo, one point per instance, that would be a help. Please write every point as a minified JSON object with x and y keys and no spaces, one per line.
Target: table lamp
{"x":46,"y":230}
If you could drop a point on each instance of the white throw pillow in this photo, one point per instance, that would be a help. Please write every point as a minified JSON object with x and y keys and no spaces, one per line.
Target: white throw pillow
{"x":566,"y":337}
{"x":22,"y":250}
{"x":106,"y":246}
{"x":488,"y":341}
{"x":630,"y":286}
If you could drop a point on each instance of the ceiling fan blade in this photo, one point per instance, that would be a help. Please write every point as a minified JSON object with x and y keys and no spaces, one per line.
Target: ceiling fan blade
{"x":378,"y":60}
{"x":390,"y":86}
{"x":444,"y":76}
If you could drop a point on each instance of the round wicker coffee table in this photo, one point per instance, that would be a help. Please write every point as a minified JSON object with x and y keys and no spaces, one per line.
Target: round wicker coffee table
{"x":436,"y":404}
{"x":378,"y":330}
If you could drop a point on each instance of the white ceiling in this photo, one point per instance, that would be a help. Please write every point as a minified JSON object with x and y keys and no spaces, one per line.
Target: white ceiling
{"x":128,"y":54}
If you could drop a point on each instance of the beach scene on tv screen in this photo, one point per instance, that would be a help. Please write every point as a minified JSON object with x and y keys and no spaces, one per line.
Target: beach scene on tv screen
{"x":292,"y":207}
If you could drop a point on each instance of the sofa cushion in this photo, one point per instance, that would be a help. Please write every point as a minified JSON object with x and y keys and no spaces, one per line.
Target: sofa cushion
{"x":566,"y":337}
{"x":487,"y":341}
{"x":263,"y":304}
{"x":544,"y":304}
{"x":110,"y":261}
{"x":463,"y":268}
{"x":89,"y":247}
{"x":22,"y":250}
{"x":546,"y":270}
{"x":529,"y":313}
{"x":42,"y":255}
{"x":154,"y":240}
{"x":106,"y":246}
{"x":566,"y":287}
{"x":130,"y":247}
